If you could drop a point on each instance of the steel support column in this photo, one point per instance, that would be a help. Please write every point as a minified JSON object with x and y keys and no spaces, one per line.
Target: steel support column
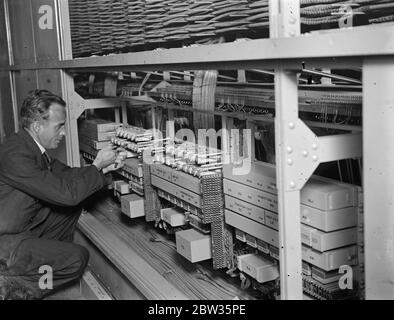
{"x":288,"y":190}
{"x":285,"y":22}
{"x":378,"y":134}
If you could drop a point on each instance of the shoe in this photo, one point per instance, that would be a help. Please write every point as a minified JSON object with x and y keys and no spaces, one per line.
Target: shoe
{"x":12,"y":290}
{"x":3,"y":288}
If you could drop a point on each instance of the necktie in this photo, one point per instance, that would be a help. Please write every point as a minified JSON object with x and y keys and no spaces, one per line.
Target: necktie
{"x":47,"y":160}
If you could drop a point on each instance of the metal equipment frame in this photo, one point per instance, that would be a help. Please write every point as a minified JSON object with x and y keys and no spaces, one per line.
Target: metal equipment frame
{"x":299,"y":151}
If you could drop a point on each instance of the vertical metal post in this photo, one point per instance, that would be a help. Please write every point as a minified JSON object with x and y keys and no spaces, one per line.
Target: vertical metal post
{"x":14,"y":100}
{"x":153,"y":109}
{"x":166,"y":76}
{"x":286,"y":95}
{"x":325,"y":80}
{"x":233,"y":153}
{"x":378,"y":153}
{"x":285,"y":22}
{"x":241,"y":76}
{"x":117,"y":115}
{"x":170,"y":125}
{"x":124,"y":112}
{"x":64,"y":29}
{"x":11,"y":62}
{"x":67,"y":82}
{"x":225,"y":141}
{"x":252,"y":152}
{"x":72,"y":142}
{"x":187,"y":76}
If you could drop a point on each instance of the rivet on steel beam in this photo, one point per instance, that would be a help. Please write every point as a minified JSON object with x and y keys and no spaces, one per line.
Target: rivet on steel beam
{"x":289,"y":150}
{"x":292,"y":20}
{"x":315,"y":146}
{"x":305,"y":153}
{"x":290,"y":162}
{"x":315,"y":158}
{"x":292,"y":184}
{"x":291,"y":125}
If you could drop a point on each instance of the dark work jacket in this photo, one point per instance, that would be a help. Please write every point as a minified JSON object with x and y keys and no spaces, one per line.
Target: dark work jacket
{"x":28,"y":189}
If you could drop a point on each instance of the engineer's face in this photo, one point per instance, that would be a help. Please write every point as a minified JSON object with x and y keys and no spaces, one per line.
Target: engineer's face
{"x":52,"y":130}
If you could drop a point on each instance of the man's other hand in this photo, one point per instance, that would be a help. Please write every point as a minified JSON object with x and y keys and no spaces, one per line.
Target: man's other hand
{"x":105,"y":158}
{"x":119,"y":162}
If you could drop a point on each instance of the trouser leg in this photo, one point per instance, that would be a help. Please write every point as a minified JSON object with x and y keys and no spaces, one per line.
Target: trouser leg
{"x":41,"y":265}
{"x":60,"y":224}
{"x":48,"y":249}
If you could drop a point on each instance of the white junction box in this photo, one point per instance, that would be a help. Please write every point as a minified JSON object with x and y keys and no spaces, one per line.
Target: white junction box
{"x":132,"y":205}
{"x":329,"y":220}
{"x":326,"y":277}
{"x":306,"y":235}
{"x":324,"y":241}
{"x":330,"y":260}
{"x":173,"y":216}
{"x":193,"y":245}
{"x":327,"y":196}
{"x":240,"y":235}
{"x":257,"y":267}
{"x":122,"y":187}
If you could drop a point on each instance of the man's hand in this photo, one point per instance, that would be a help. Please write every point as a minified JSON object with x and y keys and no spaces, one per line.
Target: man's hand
{"x":105,"y":158}
{"x":119,"y":162}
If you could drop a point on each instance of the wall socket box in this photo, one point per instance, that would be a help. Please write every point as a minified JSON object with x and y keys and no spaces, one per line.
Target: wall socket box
{"x":132,"y":205}
{"x":193,"y":245}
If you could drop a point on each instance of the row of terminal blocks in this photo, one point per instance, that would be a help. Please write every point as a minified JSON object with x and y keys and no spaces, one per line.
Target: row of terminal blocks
{"x":330,"y":211}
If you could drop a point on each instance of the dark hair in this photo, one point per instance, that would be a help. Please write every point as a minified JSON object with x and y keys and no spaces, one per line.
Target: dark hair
{"x":36,"y":106}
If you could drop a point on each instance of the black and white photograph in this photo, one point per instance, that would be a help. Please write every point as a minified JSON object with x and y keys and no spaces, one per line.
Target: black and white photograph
{"x":197,"y":157}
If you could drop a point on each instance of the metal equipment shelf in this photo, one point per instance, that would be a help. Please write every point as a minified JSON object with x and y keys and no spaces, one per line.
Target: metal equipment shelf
{"x":299,"y":151}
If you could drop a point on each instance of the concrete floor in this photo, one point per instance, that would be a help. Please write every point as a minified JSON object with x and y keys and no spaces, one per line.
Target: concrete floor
{"x":72,"y":292}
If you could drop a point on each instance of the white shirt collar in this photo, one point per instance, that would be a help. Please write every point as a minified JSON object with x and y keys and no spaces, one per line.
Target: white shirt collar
{"x":42,"y":149}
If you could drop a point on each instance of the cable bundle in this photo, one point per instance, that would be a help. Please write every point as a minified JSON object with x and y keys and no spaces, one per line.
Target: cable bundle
{"x":197,"y":281}
{"x":325,"y":13}
{"x":204,"y":89}
{"x":104,"y":26}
